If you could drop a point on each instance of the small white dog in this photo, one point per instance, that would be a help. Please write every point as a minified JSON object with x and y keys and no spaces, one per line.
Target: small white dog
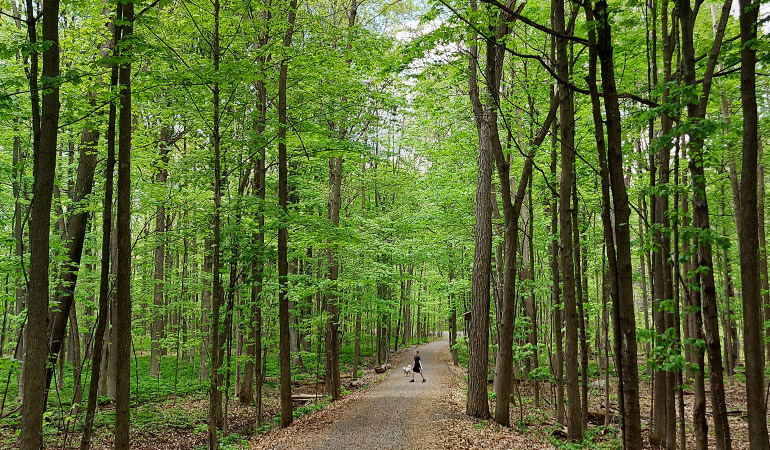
{"x":407,"y":370}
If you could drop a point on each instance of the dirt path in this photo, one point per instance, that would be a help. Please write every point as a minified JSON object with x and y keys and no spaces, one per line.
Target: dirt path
{"x":391,"y":415}
{"x":395,"y":413}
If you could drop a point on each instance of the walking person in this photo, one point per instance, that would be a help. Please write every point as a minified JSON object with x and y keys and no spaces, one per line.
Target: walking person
{"x":417,"y":367}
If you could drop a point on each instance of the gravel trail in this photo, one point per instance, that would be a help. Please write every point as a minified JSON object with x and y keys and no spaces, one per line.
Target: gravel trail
{"x":395,"y":413}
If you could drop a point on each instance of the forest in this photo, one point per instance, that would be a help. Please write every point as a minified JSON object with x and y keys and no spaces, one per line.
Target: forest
{"x":222,"y":220}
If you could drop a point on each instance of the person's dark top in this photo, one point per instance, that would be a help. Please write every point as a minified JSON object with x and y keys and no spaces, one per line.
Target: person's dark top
{"x":416,"y":368}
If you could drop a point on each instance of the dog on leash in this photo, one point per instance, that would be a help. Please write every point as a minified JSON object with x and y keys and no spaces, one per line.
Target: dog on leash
{"x":407,"y":370}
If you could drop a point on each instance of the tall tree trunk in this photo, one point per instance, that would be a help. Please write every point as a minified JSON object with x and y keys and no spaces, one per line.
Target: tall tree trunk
{"x":101,"y":329}
{"x":532,"y":338}
{"x":77,"y":366}
{"x":45,"y":131}
{"x":567,"y":139}
{"x":478,"y":339}
{"x":452,"y":316}
{"x":357,"y":339}
{"x":623,"y":307}
{"x":156,"y":329}
{"x":123,"y":283}
{"x":332,"y":365}
{"x":662,"y":284}
{"x":76,"y":227}
{"x":699,"y":404}
{"x":556,"y":326}
{"x":283,"y":265}
{"x":254,"y":348}
{"x":216,"y":420}
{"x":748,"y":232}
{"x":696,"y":110}
{"x":579,"y":291}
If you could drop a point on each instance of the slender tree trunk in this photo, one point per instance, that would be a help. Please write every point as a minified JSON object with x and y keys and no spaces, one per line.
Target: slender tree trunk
{"x":357,"y":339}
{"x":123,"y":284}
{"x":556,"y":287}
{"x":579,"y":290}
{"x":333,"y":383}
{"x":156,"y":329}
{"x":696,"y":111}
{"x":699,"y":404}
{"x":45,"y":132}
{"x":216,"y":419}
{"x":748,"y":232}
{"x":77,"y":366}
{"x":203,"y":371}
{"x":623,"y":307}
{"x":763,"y":247}
{"x":253,"y":349}
{"x":664,"y":383}
{"x":283,"y":266}
{"x":104,"y":282}
{"x":567,"y":138}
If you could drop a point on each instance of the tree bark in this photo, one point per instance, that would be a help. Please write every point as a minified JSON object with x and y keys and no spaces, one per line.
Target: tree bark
{"x":332,"y":365}
{"x":763,"y":247}
{"x":253,"y":349}
{"x":579,"y":291}
{"x":748,"y":232}
{"x":203,"y":372}
{"x":283,"y":265}
{"x":696,"y":110}
{"x":45,"y":133}
{"x":156,"y":329}
{"x":100,"y":331}
{"x":478,"y":342}
{"x":123,"y":283}
{"x":567,"y":139}
{"x":623,"y":307}
{"x":556,"y":285}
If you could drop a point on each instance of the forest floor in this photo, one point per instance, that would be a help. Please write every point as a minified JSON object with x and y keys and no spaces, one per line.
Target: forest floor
{"x":398,"y":414}
{"x":383,"y":411}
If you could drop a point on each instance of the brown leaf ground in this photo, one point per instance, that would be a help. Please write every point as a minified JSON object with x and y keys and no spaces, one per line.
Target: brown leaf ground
{"x":387,"y":412}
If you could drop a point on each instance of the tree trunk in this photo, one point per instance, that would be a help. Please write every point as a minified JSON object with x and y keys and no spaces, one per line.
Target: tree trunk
{"x":556,"y":286}
{"x":579,"y":291}
{"x":254,"y":347}
{"x":203,"y":371}
{"x":332,"y":365}
{"x":77,"y":366}
{"x":478,"y":339}
{"x":216,"y":420}
{"x":623,"y":307}
{"x":97,"y":354}
{"x":156,"y":329}
{"x":123,"y":283}
{"x":696,"y":110}
{"x":283,"y":265}
{"x":763,"y":272}
{"x":662,"y":284}
{"x":699,"y":404}
{"x":45,"y":133}
{"x":567,"y":139}
{"x":748,"y":233}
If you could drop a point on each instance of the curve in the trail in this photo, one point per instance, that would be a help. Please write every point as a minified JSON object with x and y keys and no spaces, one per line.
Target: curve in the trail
{"x":394,"y":413}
